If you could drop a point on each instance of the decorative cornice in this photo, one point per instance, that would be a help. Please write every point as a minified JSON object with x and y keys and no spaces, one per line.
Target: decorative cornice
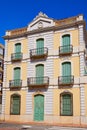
{"x":53,"y":28}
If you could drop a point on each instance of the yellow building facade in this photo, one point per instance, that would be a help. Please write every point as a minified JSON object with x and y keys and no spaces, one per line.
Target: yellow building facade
{"x":45,"y":72}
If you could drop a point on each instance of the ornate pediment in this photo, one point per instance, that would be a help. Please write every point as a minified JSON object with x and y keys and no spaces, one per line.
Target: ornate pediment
{"x":40,"y":21}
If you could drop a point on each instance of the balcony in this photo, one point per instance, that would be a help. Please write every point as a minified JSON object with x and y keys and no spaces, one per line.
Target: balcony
{"x":65,"y":80}
{"x":16,"y":56}
{"x":65,"y":50}
{"x":40,"y":53}
{"x":15,"y":84}
{"x":38,"y":81}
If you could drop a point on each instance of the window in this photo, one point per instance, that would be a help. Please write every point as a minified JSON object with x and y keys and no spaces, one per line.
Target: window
{"x":39,"y":73}
{"x":15,"y":104}
{"x":66,"y":40}
{"x":66,"y":104}
{"x":17,"y":72}
{"x":40,"y":46}
{"x":66,"y":48}
{"x":1,"y":51}
{"x":66,"y":69}
{"x":17,"y":47}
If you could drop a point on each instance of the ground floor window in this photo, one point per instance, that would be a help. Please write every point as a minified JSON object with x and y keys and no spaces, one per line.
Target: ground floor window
{"x":15,"y":105}
{"x":66,"y":105}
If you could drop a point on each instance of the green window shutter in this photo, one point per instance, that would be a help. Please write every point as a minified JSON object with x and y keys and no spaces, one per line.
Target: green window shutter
{"x":15,"y":106}
{"x":17,"y":77}
{"x":66,"y":71}
{"x":40,"y":46}
{"x":39,"y":107}
{"x":66,"y":105}
{"x":17,"y":47}
{"x":18,"y":50}
{"x":39,"y":73}
{"x":17,"y":73}
{"x":66,"y":43}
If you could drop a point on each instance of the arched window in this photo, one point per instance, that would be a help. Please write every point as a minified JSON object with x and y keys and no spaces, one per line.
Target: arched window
{"x":66,"y":40}
{"x":66,"y":104}
{"x":15,"y":104}
{"x":39,"y":73}
{"x":40,"y":46}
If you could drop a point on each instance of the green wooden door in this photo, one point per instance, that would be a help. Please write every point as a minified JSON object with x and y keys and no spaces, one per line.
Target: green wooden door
{"x":66,"y":72}
{"x":39,"y":108}
{"x":66,"y":105}
{"x":40,"y":46}
{"x":39,"y":74}
{"x":16,"y":76}
{"x":15,"y":105}
{"x":66,"y":43}
{"x":18,"y":50}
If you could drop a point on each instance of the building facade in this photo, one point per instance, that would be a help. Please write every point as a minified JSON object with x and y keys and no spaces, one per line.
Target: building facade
{"x":1,"y":73}
{"x":45,"y":72}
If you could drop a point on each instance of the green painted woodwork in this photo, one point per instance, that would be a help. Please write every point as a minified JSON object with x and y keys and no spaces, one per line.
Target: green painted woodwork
{"x":15,"y":105}
{"x":66,"y":43}
{"x":17,"y":47}
{"x":39,"y":107}
{"x":40,"y":46}
{"x":66,"y":106}
{"x":66,"y":72}
{"x":40,"y":74}
{"x":18,"y":51}
{"x":17,"y":76}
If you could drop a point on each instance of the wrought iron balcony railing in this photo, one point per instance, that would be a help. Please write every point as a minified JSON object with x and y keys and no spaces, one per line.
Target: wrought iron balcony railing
{"x":65,"y":50}
{"x":38,"y":81}
{"x":65,"y":80}
{"x":15,"y":83}
{"x":16,"y":56}
{"x":38,"y":53}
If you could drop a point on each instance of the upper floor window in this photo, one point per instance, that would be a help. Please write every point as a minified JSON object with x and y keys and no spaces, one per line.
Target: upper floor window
{"x":40,"y":46}
{"x":1,"y":51}
{"x":40,"y":70}
{"x":39,"y":73}
{"x":66,"y":40}
{"x":17,"y":47}
{"x":17,"y":72}
{"x":66,"y":69}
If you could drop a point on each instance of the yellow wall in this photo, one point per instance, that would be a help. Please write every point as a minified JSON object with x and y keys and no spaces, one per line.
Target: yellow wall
{"x":75,"y":66}
{"x":76,"y":100}
{"x":11,"y":47}
{"x":23,"y":101}
{"x":23,"y":71}
{"x":74,"y":38}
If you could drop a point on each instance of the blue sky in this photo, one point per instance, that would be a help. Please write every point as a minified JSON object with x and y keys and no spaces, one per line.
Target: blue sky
{"x":18,"y":13}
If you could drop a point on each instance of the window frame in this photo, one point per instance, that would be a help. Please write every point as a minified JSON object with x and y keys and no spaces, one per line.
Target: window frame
{"x":11,"y":107}
{"x":61,"y":105}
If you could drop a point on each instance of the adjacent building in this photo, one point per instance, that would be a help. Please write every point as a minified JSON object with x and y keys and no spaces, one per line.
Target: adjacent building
{"x":1,"y":72}
{"x":45,"y":75}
